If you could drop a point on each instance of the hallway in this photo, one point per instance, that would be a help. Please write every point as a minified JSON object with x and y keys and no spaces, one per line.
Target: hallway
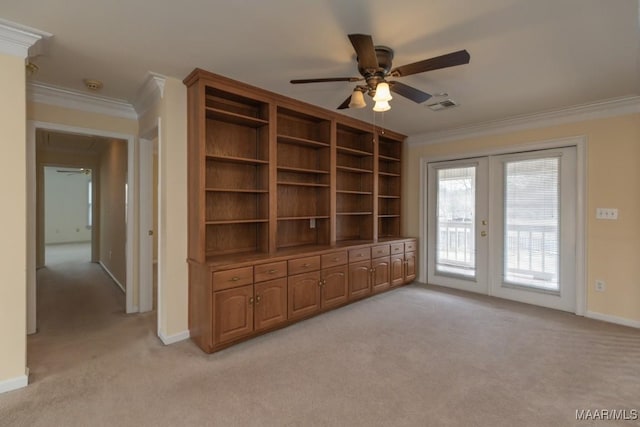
{"x":80,"y":314}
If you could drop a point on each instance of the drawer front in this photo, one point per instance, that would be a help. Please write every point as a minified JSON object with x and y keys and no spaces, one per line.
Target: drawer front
{"x":397,"y":248}
{"x":380,"y":251}
{"x":273,"y":270}
{"x":232,"y":278}
{"x":333,"y":259}
{"x":410,"y":246}
{"x":356,"y":255}
{"x":303,"y":265}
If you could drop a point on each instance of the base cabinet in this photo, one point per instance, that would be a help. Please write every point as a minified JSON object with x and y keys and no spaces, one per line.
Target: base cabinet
{"x":304,"y":295}
{"x":359,"y":279}
{"x":380,"y":274}
{"x":334,"y":286}
{"x":233,"y":313}
{"x":236,"y":301}
{"x":270,"y":304}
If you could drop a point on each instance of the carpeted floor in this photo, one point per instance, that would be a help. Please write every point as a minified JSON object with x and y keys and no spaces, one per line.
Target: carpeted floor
{"x":416,"y":356}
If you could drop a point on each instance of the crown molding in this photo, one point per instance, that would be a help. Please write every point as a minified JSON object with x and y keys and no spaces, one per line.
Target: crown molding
{"x":67,"y":98}
{"x":17,"y":39}
{"x":597,"y":110}
{"x":150,"y":92}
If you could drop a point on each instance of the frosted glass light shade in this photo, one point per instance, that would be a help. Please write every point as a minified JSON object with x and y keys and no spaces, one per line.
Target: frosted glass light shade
{"x":382,"y":92}
{"x":357,"y":100}
{"x":382,"y":106}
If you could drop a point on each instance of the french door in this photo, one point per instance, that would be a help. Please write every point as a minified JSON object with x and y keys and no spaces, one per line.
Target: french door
{"x":505,"y":226}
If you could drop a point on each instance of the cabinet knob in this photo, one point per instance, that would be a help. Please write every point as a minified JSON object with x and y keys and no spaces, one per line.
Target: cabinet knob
{"x":258,"y":298}
{"x":306,"y":265}
{"x":250,"y":300}
{"x":336,"y":259}
{"x":272,"y":271}
{"x":235,"y":278}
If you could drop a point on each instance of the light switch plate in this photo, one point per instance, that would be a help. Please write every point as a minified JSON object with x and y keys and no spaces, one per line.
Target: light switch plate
{"x":606,"y":213}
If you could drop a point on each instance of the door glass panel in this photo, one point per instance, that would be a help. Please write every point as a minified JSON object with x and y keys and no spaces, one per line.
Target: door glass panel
{"x":455,"y":236}
{"x":532,"y":223}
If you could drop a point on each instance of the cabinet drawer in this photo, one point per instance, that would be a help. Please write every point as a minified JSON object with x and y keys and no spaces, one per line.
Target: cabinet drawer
{"x":397,"y":248}
{"x":410,"y":246}
{"x":270,"y":271}
{"x":380,"y":251}
{"x":356,"y":255}
{"x":302,"y":265}
{"x":333,"y":259}
{"x":232,"y":278}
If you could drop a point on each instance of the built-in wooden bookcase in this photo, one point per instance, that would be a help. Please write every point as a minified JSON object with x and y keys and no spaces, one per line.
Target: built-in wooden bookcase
{"x":236,"y":156}
{"x":303,"y":179}
{"x":389,"y":187}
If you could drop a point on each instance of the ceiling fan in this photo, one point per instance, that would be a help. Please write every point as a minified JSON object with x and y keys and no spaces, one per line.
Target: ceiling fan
{"x":374,"y":65}
{"x":75,"y":171}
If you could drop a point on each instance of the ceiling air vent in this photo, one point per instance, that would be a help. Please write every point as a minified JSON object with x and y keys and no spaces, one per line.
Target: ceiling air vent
{"x":443,"y":105}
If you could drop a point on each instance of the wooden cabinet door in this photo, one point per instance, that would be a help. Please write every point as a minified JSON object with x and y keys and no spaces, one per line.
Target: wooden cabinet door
{"x":397,"y":270}
{"x":304,"y":294}
{"x":233,"y":313}
{"x":335,"y":286}
{"x":410,"y":267}
{"x":359,"y":279}
{"x":380,"y":268}
{"x":270,"y":303}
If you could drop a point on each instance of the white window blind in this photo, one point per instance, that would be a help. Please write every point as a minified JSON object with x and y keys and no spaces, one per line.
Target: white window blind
{"x":532,"y":225}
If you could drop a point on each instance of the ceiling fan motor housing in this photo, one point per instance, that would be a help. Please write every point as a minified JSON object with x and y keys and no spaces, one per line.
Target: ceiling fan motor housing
{"x":373,"y":76}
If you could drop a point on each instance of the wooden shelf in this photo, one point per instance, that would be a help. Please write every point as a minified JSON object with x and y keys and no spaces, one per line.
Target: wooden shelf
{"x":388,"y":174}
{"x":302,"y":184}
{"x":235,"y":190}
{"x":354,"y":192}
{"x":392,"y":159}
{"x":301,"y":141}
{"x":301,"y":170}
{"x":353,"y":151}
{"x":236,"y":221}
{"x":354,"y":213}
{"x":388,"y":216}
{"x":238,"y":160}
{"x":304,"y":217}
{"x":350,"y":169}
{"x":238,"y":119}
{"x":387,"y":196}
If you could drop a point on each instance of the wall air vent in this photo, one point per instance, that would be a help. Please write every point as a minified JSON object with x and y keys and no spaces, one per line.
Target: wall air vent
{"x":443,"y":105}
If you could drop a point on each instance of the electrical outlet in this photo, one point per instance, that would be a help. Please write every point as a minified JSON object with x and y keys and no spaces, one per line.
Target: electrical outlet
{"x":600,"y":285}
{"x":607,"y":213}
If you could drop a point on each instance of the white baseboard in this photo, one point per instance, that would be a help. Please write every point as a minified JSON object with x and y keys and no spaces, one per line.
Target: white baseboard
{"x":104,"y":267}
{"x":15,"y":383}
{"x":613,"y":319}
{"x":172,"y":339}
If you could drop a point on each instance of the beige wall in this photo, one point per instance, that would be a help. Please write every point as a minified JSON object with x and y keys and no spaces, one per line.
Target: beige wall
{"x":69,"y":117}
{"x":113,"y":230}
{"x":613,"y":181}
{"x":13,"y":249}
{"x":172,"y":211}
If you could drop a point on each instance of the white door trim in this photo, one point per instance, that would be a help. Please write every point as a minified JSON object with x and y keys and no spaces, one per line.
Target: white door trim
{"x":145,"y":258}
{"x":580,"y":142}
{"x":32,"y":126}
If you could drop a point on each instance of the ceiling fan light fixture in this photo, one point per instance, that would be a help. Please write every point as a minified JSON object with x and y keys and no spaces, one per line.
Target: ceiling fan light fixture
{"x":382,"y":93}
{"x":357,"y":99}
{"x":381,"y":106}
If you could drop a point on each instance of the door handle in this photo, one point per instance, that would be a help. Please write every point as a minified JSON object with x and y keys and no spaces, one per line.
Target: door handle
{"x":483,"y":233}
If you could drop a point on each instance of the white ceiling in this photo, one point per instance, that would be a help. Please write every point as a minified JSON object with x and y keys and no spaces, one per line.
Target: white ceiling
{"x":527,"y":56}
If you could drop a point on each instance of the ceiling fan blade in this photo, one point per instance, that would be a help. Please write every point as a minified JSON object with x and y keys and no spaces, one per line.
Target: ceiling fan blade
{"x":330,"y":79}
{"x":449,"y":60}
{"x":363,"y":45}
{"x":409,"y":92}
{"x":345,"y":104}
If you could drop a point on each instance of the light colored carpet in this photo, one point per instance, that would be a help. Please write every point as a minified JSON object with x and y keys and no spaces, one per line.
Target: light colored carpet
{"x":416,"y":356}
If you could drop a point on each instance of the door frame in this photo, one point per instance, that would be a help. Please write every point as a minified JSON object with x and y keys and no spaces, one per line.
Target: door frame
{"x":580,"y":142}
{"x":132,"y":208}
